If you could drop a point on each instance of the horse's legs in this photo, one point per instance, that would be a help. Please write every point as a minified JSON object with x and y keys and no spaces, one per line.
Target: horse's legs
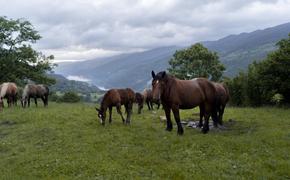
{"x":158,"y":105}
{"x":118,"y":107}
{"x":151,"y":104}
{"x":110,"y":114}
{"x":148,"y":104}
{"x":35,"y":101}
{"x":220,"y":116}
{"x":43,"y":100}
{"x":207,"y":113}
{"x":129,"y":112}
{"x":28,"y":102}
{"x":168,"y":118}
{"x":175,"y":111}
{"x":201,"y":114}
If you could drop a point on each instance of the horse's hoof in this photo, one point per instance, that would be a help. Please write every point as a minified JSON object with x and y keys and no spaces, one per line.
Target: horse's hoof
{"x":180,"y":132}
{"x":168,"y":129}
{"x":204,"y":131}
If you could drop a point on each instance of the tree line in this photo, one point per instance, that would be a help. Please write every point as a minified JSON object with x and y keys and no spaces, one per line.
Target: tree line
{"x":264,"y":83}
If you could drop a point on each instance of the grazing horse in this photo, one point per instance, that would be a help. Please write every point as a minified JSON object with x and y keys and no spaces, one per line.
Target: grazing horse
{"x":148,"y":98}
{"x":117,"y":98}
{"x":34,"y":91}
{"x":178,"y":94}
{"x":139,"y":99}
{"x":9,"y":91}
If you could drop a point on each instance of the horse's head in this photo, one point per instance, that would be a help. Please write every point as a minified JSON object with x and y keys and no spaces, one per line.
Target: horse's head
{"x":158,"y":83}
{"x":101,"y":115}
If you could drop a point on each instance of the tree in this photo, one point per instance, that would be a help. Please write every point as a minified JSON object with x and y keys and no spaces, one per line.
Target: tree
{"x":19,"y":62}
{"x":196,"y":61}
{"x":70,"y":97}
{"x":265,"y":82}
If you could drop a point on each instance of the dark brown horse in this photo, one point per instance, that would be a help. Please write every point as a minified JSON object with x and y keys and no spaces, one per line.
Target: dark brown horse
{"x":178,"y":94}
{"x":117,"y":98}
{"x":223,"y":96}
{"x":34,"y":91}
{"x":148,"y":98}
{"x":9,"y":91}
{"x":139,"y":99}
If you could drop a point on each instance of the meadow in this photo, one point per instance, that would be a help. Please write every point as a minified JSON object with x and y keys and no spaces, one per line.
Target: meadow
{"x":66,"y":141}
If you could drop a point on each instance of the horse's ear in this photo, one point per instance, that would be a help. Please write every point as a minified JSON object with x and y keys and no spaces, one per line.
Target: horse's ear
{"x":153,"y":74}
{"x":163,"y":74}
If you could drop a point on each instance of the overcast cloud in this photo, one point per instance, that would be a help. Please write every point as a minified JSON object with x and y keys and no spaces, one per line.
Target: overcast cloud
{"x":85,"y":29}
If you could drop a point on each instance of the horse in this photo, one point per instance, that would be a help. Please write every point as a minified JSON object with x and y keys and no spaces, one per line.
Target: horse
{"x":148,"y":98}
{"x":178,"y":94}
{"x":139,"y":99}
{"x":116,"y":98}
{"x":223,"y":97}
{"x":34,"y":91}
{"x":9,"y":91}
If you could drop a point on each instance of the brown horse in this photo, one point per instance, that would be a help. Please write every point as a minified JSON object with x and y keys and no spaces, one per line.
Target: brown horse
{"x":117,"y":98}
{"x":34,"y":91}
{"x":9,"y":91}
{"x":139,"y":99}
{"x":178,"y":94}
{"x":148,"y":98}
{"x":223,"y":97}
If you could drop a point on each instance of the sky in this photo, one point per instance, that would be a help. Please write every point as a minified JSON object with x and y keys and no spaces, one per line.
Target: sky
{"x":74,"y":30}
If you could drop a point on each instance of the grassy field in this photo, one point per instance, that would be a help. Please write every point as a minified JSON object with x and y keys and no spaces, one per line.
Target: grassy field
{"x":66,"y":141}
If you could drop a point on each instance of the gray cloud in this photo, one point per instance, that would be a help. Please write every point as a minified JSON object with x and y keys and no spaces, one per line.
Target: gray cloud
{"x":83,"y":29}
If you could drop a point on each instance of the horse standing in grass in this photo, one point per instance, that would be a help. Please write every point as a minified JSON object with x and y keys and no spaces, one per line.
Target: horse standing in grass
{"x":148,"y":98}
{"x":34,"y":91}
{"x":223,"y":96}
{"x":178,"y":94}
{"x":9,"y":91}
{"x":139,"y":99}
{"x":117,"y":98}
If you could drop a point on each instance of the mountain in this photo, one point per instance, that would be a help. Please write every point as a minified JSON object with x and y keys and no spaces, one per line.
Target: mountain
{"x":64,"y":85}
{"x":134,"y":69}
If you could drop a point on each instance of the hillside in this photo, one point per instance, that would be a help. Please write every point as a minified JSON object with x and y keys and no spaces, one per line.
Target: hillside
{"x":64,"y":85}
{"x":133,"y":70}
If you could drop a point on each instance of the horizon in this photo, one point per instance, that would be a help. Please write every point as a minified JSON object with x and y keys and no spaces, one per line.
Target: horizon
{"x":84,"y":30}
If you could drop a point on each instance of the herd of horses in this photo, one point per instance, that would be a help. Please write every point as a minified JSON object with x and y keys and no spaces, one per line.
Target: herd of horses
{"x":10,"y":91}
{"x":174,"y":94}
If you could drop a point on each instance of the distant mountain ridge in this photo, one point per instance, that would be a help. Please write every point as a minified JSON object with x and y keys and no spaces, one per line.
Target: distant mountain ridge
{"x":134,"y":69}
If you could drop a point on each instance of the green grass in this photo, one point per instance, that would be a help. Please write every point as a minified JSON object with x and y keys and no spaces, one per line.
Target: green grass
{"x":66,"y":141}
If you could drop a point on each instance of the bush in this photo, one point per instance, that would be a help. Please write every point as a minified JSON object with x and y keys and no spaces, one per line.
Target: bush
{"x":70,"y":97}
{"x":277,"y":99}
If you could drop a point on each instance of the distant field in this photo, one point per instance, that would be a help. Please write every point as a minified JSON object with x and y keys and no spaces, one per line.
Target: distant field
{"x":66,"y":141}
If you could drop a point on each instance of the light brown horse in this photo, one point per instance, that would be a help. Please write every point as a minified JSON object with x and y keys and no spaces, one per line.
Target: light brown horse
{"x":117,"y":98}
{"x":139,"y":99}
{"x":9,"y":91}
{"x":34,"y":91}
{"x":178,"y":94}
{"x":148,"y":98}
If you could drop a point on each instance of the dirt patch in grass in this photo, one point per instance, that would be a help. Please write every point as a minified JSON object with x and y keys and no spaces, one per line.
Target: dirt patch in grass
{"x":7,"y":123}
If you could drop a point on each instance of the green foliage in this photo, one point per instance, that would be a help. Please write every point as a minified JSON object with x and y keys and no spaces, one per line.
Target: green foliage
{"x":66,"y":141}
{"x":19,"y":61}
{"x":264,"y":80}
{"x":277,"y":99}
{"x":196,"y":61}
{"x":70,"y":97}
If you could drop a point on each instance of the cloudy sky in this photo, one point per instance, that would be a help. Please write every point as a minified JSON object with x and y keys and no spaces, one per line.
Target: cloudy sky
{"x":85,"y":29}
